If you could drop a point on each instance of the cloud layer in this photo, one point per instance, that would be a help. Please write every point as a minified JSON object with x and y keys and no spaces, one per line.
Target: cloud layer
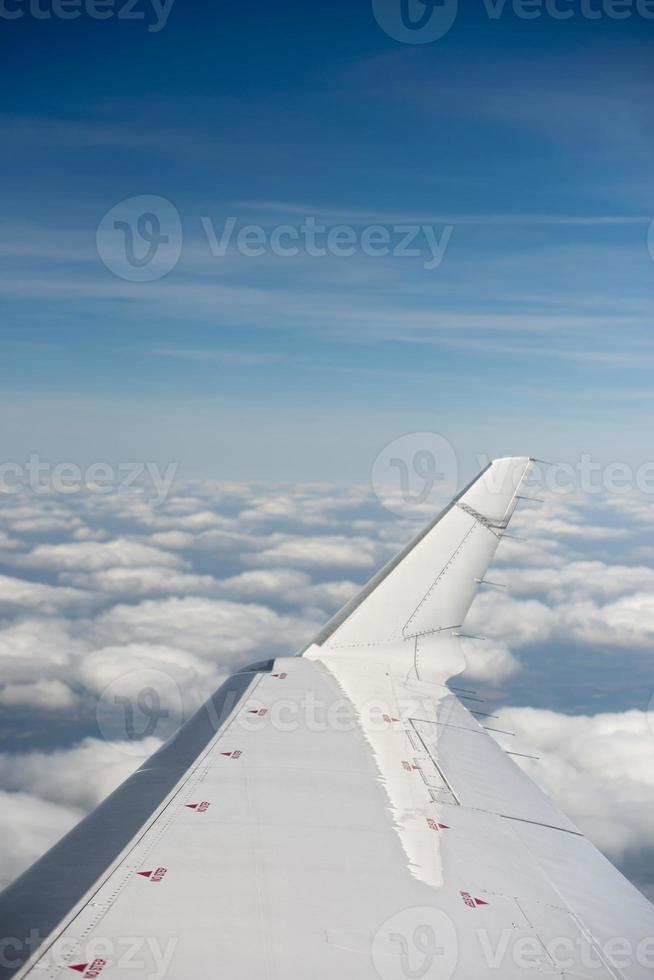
{"x":98,"y":592}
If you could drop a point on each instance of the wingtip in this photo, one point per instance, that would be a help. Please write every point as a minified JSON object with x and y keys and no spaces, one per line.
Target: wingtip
{"x":513,"y":459}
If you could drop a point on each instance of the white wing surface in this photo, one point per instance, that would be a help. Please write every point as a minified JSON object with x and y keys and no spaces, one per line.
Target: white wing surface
{"x":340,"y":814}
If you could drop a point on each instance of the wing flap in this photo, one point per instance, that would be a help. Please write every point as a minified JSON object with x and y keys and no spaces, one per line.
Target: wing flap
{"x":481,"y":777}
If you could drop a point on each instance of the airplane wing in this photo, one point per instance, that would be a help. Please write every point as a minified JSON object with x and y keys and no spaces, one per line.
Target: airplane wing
{"x":340,"y":814}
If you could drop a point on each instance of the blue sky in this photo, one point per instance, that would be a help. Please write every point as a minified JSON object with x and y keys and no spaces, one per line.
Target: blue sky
{"x":531,"y":140}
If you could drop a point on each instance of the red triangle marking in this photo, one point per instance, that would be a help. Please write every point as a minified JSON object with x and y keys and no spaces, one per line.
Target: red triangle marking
{"x":80,"y":967}
{"x":144,"y":874}
{"x":228,"y":754}
{"x":480,"y":901}
{"x":191,"y":806}
{"x":443,"y":826}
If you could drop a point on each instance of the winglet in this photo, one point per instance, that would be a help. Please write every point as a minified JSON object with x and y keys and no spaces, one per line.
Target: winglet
{"x":430,"y":585}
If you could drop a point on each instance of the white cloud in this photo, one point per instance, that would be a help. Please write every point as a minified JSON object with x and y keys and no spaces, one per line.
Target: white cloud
{"x":45,"y":524}
{"x":627,"y":622}
{"x":319,"y":505}
{"x":146,"y":581}
{"x":29,"y":826}
{"x":558,"y":527}
{"x":173,"y":539}
{"x":46,"y":694}
{"x":216,"y":629}
{"x":266,"y":583}
{"x":518,"y":621}
{"x":490,"y":660}
{"x":182,"y":680}
{"x":78,"y":777}
{"x":92,"y":556}
{"x":8,"y":543}
{"x":581,"y":579}
{"x":289,"y":586}
{"x":222,"y":575}
{"x":330,"y":551}
{"x":21,"y":593}
{"x":39,"y":648}
{"x":45,"y":794}
{"x":598,"y":768}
